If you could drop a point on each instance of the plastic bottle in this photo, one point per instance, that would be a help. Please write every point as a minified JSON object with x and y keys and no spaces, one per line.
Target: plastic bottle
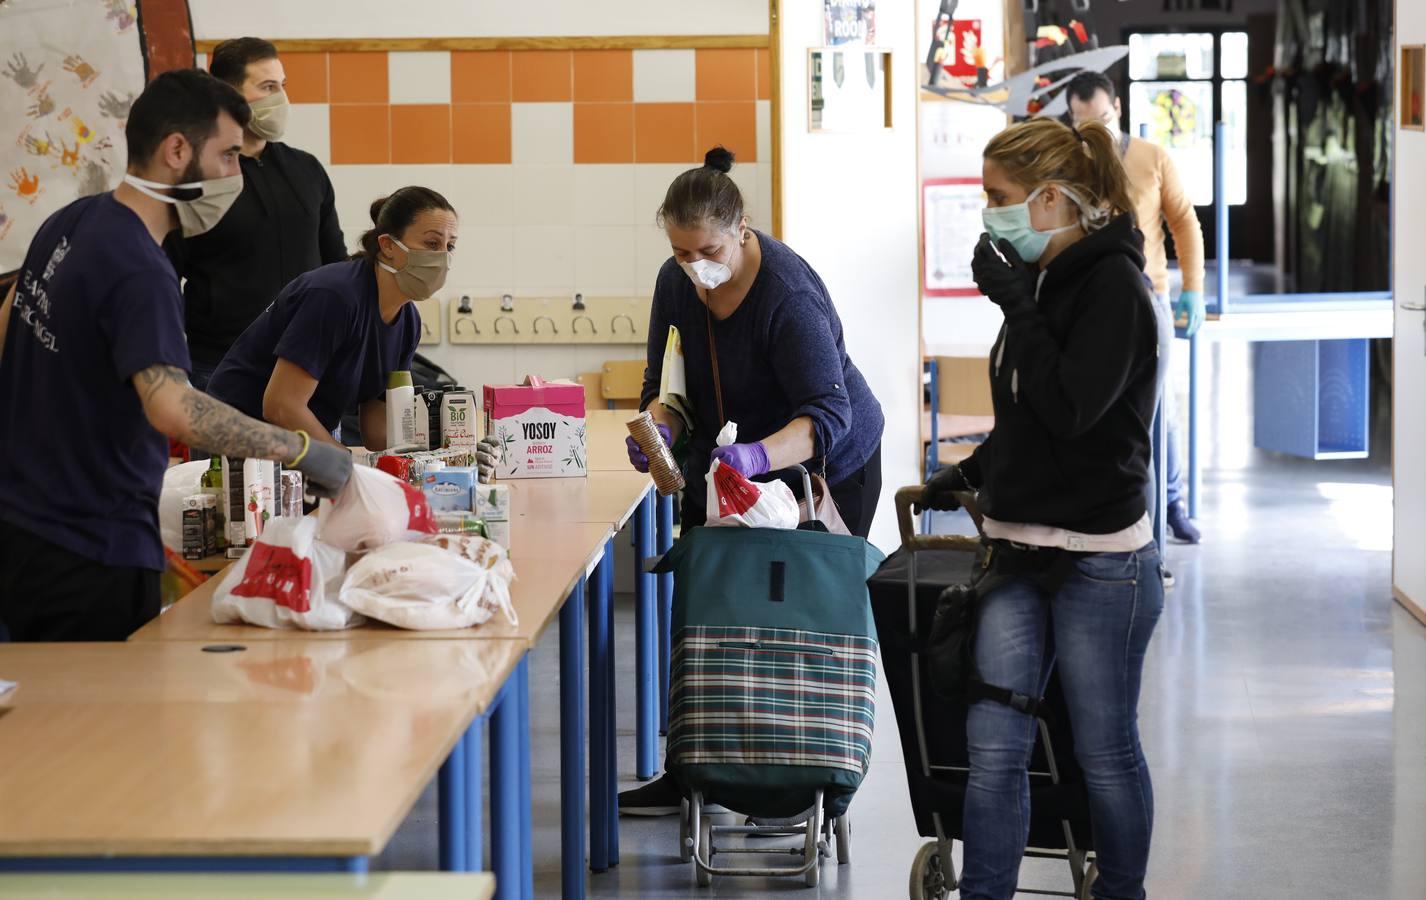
{"x":400,"y":412}
{"x":422,"y":417}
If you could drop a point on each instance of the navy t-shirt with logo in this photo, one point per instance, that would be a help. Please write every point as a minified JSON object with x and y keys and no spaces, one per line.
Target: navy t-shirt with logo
{"x":80,"y":465}
{"x":328,"y":322}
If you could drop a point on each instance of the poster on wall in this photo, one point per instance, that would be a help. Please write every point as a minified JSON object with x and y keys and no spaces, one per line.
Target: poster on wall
{"x":951,"y":224}
{"x":69,"y":70}
{"x":849,"y":22}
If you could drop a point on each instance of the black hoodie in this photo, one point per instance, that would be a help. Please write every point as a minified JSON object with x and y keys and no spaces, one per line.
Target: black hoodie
{"x":1073,"y":383}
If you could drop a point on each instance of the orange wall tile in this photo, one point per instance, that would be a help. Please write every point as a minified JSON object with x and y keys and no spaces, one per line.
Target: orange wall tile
{"x":726,"y":75}
{"x":421,"y":133}
{"x":764,"y":75}
{"x":306,"y":77}
{"x":663,"y":133}
{"x":604,"y":75}
{"x":358,"y":77}
{"x":542,"y":76}
{"x":480,"y":133}
{"x":604,"y":132}
{"x":734,"y":125}
{"x":480,"y":76}
{"x":361,"y":133}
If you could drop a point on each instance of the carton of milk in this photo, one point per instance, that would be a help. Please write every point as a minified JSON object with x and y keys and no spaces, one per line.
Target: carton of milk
{"x":448,"y":489}
{"x":458,"y":420}
{"x":539,"y":426}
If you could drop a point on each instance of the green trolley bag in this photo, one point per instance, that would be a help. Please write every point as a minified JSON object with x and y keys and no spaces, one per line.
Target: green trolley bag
{"x":773,"y":689}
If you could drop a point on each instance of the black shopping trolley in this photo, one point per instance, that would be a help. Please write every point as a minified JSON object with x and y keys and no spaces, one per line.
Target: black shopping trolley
{"x":904,"y":594}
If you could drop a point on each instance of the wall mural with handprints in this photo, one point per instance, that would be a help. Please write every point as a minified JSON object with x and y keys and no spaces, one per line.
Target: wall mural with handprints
{"x":69,"y":70}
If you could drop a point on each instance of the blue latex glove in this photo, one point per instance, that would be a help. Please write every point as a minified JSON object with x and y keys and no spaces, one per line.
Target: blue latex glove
{"x":1188,"y":313}
{"x":637,"y":459}
{"x":750,"y":459}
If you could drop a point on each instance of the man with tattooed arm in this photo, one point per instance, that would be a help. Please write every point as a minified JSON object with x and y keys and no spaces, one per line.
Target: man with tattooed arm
{"x":94,"y":374}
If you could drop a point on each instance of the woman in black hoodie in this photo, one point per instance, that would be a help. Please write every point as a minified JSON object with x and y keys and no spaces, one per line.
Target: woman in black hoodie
{"x":1075,"y":578}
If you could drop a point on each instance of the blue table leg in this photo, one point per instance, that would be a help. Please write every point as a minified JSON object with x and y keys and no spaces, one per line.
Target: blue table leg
{"x":599,"y":602}
{"x":451,"y":794}
{"x":572,"y":784}
{"x":665,"y":583}
{"x":645,"y":627}
{"x":1194,"y":462}
{"x":510,"y":840}
{"x":612,"y":732}
{"x":527,"y":844}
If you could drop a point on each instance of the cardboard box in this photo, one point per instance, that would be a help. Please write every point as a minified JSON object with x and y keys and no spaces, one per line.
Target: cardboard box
{"x":492,"y":502}
{"x":450,"y":489}
{"x":540,"y":428}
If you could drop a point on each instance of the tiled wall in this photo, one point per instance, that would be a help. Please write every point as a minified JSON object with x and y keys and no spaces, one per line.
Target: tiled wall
{"x":556,"y":161}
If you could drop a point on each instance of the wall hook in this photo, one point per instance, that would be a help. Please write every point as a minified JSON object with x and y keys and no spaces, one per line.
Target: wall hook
{"x":515,"y":326}
{"x":554,"y":329}
{"x":577,"y":319}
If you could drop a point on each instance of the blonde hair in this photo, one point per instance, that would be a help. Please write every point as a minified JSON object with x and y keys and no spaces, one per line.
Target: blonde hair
{"x":1084,"y":159}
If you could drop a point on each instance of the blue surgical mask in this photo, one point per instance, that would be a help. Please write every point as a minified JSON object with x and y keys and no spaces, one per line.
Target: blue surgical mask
{"x":1012,"y":223}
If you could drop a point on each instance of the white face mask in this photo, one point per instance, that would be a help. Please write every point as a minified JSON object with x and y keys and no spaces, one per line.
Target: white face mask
{"x":707,"y":273}
{"x":198,"y":214}
{"x":269,"y":120}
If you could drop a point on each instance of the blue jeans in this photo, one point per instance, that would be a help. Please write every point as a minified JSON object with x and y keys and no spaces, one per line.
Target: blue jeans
{"x":1096,"y":629}
{"x":1173,"y":468}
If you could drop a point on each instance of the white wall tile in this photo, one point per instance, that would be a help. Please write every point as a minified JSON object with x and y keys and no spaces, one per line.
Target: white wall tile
{"x":476,"y":366}
{"x":544,"y":259}
{"x":355,"y":187}
{"x":604,"y":260}
{"x":664,"y":76}
{"x":745,"y":176}
{"x":544,"y":194}
{"x":419,"y":77}
{"x":764,"y":119}
{"x":763,"y":204}
{"x":651,"y":251}
{"x":542,"y":133}
{"x":485,"y":261}
{"x":651,"y":181}
{"x":604,"y":195}
{"x":482,"y":195}
{"x":309,"y":127}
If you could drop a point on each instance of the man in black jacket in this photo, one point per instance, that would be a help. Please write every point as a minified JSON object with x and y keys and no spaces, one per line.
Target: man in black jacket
{"x":283,"y":224}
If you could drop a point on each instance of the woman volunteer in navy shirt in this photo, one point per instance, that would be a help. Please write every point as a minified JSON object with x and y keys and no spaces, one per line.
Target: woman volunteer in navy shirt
{"x":329,"y":340}
{"x":781,"y":369}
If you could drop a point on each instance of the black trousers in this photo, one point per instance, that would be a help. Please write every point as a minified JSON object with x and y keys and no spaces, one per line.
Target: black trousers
{"x":48,"y":593}
{"x":856,"y":496}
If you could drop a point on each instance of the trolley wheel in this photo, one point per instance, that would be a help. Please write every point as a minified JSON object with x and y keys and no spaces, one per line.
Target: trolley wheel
{"x":685,"y":848}
{"x":1091,"y":875}
{"x":844,"y":840}
{"x":928,"y":881}
{"x":705,"y":850}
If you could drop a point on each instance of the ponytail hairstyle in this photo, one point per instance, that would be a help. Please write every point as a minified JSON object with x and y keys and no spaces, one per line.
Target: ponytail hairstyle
{"x":394,"y":214}
{"x":704,"y":196}
{"x":1085,"y":159}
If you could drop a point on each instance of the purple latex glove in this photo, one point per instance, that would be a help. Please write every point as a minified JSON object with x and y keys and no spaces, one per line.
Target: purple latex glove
{"x":750,"y":459}
{"x":637,"y":459}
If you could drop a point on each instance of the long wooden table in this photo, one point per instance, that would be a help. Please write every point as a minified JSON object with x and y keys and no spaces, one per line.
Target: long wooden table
{"x":382,"y":886}
{"x":165,"y":755}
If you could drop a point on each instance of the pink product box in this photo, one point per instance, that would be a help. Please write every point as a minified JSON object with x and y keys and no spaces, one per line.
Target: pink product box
{"x":540,"y":428}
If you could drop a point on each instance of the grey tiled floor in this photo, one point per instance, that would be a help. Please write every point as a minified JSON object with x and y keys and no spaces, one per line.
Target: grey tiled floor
{"x":1284,"y":713}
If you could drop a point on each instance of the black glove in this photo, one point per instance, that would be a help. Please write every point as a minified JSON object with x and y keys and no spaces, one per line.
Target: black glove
{"x":1010,"y":284}
{"x":325,"y":469}
{"x":941,"y":489}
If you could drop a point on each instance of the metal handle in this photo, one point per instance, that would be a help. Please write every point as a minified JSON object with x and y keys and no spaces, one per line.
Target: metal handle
{"x":513,"y":324}
{"x":593,"y":329}
{"x":554,"y":329}
{"x":633,"y":329}
{"x":806,"y":491}
{"x":471,"y":322}
{"x":917,"y":543}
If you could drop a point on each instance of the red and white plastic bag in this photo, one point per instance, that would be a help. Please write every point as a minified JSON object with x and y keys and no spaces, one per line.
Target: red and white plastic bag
{"x":735,"y":501}
{"x":287,"y":579}
{"x":444,"y":582}
{"x":375,"y":509}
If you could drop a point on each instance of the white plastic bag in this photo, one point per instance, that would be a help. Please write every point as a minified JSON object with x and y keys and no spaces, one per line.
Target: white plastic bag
{"x":182,"y":480}
{"x":287,"y":579}
{"x":373,"y":510}
{"x":734,"y":501}
{"x":445,"y":582}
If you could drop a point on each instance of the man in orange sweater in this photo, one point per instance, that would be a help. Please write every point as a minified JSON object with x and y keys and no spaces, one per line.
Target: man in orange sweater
{"x":1159,"y":197}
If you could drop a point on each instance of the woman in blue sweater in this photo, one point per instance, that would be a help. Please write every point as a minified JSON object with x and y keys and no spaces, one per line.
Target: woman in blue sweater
{"x":762,"y":347}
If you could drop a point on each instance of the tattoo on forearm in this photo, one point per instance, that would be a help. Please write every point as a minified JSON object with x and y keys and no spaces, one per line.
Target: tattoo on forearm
{"x":218,"y":428}
{"x":151,"y":380}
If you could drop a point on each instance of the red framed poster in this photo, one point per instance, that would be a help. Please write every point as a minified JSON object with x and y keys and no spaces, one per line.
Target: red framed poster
{"x":950,"y":227}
